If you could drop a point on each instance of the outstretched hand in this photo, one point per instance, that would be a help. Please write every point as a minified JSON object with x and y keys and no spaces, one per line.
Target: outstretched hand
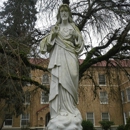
{"x":74,"y":34}
{"x":55,"y":31}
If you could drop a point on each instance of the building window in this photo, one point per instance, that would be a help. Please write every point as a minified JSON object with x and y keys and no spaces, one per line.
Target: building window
{"x":28,"y":83}
{"x":8,"y":120}
{"x":105,"y":117}
{"x":90,"y":117}
{"x":27,"y":98}
{"x":125,"y":118}
{"x":128,"y":94}
{"x":101,"y":79}
{"x":103,"y":98}
{"x":44,"y":98}
{"x":24,"y":119}
{"x":123,"y":96}
{"x":45,"y":79}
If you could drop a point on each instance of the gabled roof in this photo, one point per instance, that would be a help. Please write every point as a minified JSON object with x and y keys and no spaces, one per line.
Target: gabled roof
{"x":111,"y":63}
{"x":42,"y":108}
{"x":38,"y":61}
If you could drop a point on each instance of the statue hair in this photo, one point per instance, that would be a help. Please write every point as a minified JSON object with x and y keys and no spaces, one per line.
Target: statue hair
{"x":58,"y":15}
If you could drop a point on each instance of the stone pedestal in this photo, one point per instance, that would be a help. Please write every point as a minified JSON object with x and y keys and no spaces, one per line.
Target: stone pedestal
{"x":69,"y":122}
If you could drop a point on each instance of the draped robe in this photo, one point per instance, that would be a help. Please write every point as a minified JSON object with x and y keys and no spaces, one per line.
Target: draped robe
{"x":64,"y":68}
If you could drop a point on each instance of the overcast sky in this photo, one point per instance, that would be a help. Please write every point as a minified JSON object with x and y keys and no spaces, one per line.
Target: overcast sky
{"x":1,"y":1}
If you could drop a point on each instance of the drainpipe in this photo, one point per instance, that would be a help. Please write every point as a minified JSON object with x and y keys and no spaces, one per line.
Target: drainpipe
{"x":119,"y":86}
{"x":37,"y":118}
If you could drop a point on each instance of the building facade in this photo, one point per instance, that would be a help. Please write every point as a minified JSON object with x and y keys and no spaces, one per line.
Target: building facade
{"x":104,"y":94}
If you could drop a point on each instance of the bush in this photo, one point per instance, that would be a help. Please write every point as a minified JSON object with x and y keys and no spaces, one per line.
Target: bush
{"x":106,"y":124}
{"x":87,"y":125}
{"x":25,"y":128}
{"x":120,"y":127}
{"x":127,"y":126}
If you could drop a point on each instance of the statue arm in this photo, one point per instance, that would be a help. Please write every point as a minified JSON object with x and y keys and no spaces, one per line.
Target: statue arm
{"x":47,"y":43}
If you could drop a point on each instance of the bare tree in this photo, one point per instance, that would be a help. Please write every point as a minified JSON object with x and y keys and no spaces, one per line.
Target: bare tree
{"x":105,"y":21}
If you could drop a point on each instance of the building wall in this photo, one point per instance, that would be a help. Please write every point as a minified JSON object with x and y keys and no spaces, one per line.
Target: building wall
{"x":89,"y":99}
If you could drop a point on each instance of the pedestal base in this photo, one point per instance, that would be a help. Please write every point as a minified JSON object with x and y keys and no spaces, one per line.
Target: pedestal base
{"x":69,"y":122}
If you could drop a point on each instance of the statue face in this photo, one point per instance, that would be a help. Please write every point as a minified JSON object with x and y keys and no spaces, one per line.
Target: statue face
{"x":64,"y":13}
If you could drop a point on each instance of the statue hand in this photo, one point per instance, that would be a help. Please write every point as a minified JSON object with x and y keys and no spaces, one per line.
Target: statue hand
{"x":55,"y":31}
{"x":74,"y":34}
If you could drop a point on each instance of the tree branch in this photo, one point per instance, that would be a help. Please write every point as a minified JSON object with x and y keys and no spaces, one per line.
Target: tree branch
{"x":113,"y":51}
{"x":25,"y":79}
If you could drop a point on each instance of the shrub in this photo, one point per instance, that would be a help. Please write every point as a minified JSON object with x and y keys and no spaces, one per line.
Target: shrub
{"x":120,"y":127}
{"x":25,"y":128}
{"x":127,"y":126}
{"x":87,"y":125}
{"x":106,"y":124}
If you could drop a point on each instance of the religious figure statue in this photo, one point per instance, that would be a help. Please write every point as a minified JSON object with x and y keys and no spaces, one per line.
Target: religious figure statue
{"x":64,"y":43}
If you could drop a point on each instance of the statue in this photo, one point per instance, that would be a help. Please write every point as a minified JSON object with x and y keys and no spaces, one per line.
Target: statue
{"x":64,"y":43}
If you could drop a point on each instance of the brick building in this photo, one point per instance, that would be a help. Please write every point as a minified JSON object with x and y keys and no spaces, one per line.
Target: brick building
{"x":106,"y":98}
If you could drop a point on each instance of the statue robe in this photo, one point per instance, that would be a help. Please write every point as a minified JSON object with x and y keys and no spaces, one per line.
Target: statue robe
{"x":64,"y":68}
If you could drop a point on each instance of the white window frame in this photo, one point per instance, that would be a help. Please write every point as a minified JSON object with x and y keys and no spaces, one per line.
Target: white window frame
{"x":91,"y":118}
{"x":123,"y":96}
{"x":125,"y":118}
{"x":106,"y":118}
{"x":46,"y":81}
{"x":28,"y":83}
{"x":43,"y":102}
{"x":104,"y":76}
{"x":101,"y":98}
{"x":128,"y":94}
{"x":25,"y":100}
{"x":9,"y":125}
{"x":25,"y":119}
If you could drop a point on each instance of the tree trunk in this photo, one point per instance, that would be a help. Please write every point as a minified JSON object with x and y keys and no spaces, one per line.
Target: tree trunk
{"x":2,"y":119}
{"x":66,"y":2}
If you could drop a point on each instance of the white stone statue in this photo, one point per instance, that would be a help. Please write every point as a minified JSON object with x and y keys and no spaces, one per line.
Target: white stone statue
{"x":64,"y":43}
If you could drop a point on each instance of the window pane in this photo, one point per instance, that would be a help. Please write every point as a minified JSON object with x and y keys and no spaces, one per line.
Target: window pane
{"x":24,"y":119}
{"x":8,"y":116}
{"x":123,"y":96}
{"x":90,"y":117}
{"x":8,"y":120}
{"x":128,"y":94}
{"x":45,"y":79}
{"x":103,"y":97}
{"x":105,"y":117}
{"x":125,"y":117}
{"x":25,"y":116}
{"x":27,"y":97}
{"x":24,"y":122}
{"x":44,"y":97}
{"x":101,"y":79}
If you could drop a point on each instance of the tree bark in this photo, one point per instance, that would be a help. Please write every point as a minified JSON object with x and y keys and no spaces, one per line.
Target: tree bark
{"x":66,"y":2}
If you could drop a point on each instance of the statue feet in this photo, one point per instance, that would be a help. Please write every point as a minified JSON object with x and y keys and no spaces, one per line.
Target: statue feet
{"x":63,"y":113}
{"x":65,"y":121}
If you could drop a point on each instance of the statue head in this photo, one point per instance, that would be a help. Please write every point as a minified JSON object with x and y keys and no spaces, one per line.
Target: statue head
{"x":59,"y":17}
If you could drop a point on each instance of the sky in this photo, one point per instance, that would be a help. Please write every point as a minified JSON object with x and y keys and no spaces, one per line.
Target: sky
{"x":1,"y":2}
{"x":40,"y":23}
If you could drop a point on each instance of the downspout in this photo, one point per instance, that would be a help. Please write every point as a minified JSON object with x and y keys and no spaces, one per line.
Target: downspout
{"x":119,"y":86}
{"x":37,"y":119}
